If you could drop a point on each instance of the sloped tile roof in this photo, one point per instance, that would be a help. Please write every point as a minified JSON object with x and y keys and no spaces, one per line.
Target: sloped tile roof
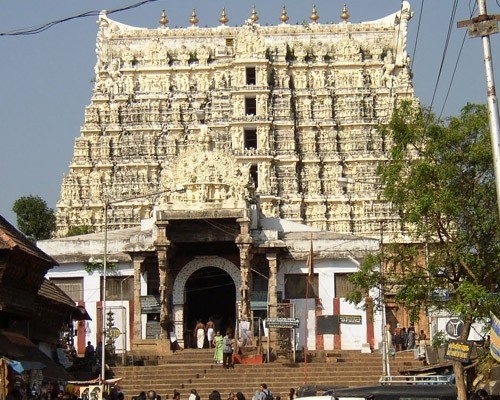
{"x":56,"y":296}
{"x":12,"y":239}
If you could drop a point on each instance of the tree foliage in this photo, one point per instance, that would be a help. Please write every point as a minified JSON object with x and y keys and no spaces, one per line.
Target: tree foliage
{"x":34,"y":218}
{"x":440,"y":178}
{"x":80,"y":230}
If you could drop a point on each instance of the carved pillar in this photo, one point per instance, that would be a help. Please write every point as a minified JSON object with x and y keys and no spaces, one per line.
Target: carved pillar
{"x":163,"y":245}
{"x":137,"y":261}
{"x":244,"y":243}
{"x":272,"y":257}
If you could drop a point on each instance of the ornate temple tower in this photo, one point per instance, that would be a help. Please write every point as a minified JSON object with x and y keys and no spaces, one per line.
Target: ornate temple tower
{"x":289,"y":109}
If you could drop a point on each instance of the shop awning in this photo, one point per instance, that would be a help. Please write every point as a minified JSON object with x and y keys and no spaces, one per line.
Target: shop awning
{"x":19,"y":348}
{"x":21,"y":366}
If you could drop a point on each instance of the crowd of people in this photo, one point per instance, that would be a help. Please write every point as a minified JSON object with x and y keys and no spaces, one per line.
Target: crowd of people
{"x":208,"y":335}
{"x":263,"y":393}
{"x":405,"y":339}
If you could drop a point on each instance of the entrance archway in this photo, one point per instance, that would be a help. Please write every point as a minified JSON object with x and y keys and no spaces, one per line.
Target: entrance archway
{"x":205,"y":286}
{"x":210,"y":293}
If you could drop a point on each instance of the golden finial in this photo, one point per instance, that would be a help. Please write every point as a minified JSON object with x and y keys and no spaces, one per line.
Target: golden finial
{"x":194,"y":19}
{"x":284,"y":17}
{"x":345,"y":14}
{"x":254,"y":17}
{"x":163,"y":19}
{"x":314,"y":16}
{"x":223,"y":17}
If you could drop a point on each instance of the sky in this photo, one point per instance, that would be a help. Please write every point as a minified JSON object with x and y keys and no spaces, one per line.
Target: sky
{"x":46,"y":77}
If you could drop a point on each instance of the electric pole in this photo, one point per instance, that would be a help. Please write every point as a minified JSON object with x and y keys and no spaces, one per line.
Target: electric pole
{"x":483,"y":26}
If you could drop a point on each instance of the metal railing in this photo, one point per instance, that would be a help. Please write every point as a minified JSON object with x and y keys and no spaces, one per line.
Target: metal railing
{"x":415,"y":379}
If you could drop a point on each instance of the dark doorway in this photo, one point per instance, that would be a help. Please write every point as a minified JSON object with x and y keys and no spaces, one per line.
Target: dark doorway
{"x":210,"y":292}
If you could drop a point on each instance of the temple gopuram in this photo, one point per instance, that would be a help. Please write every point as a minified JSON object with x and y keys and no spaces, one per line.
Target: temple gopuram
{"x":213,"y":162}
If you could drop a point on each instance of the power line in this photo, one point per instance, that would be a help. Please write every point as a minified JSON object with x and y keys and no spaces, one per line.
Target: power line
{"x":418,"y":32}
{"x":452,"y":18}
{"x":48,"y":25}
{"x":456,"y":64}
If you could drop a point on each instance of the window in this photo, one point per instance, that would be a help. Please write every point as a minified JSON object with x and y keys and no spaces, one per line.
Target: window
{"x":250,"y":106}
{"x":342,"y":285}
{"x":250,"y":138}
{"x":295,"y":286}
{"x":250,"y":76}
{"x":73,"y":287}
{"x":254,"y":173}
{"x":120,"y":288}
{"x":229,"y":42}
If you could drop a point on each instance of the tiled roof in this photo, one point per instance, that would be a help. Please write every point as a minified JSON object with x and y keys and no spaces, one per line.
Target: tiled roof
{"x":55,"y":295}
{"x":12,"y":239}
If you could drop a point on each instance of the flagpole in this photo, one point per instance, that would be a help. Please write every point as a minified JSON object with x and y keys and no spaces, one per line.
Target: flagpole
{"x":310,"y":272}
{"x":305,"y":330}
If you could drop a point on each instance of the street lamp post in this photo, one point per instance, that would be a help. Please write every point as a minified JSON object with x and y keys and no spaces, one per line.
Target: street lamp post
{"x":104,"y":266}
{"x":107,"y":204}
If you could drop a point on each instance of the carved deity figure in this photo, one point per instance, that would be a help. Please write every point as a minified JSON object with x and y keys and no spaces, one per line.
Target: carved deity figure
{"x":388,"y":77}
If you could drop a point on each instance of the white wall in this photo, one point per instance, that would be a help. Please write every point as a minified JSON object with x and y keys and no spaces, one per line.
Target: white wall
{"x":352,"y":336}
{"x":92,"y":295}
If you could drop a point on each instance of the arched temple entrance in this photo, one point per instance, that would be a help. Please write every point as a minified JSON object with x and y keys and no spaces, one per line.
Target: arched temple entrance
{"x":206,"y":286}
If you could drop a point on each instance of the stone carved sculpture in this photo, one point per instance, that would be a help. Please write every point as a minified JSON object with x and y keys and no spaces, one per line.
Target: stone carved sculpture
{"x":327,"y":89}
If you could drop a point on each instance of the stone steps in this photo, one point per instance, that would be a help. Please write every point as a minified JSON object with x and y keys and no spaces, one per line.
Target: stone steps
{"x":186,"y":370}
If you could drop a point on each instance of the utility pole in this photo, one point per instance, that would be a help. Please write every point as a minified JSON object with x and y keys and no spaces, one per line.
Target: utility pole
{"x":483,"y":26}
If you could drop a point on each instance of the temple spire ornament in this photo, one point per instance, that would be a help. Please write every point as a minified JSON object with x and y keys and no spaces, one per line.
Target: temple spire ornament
{"x":194,"y":19}
{"x":163,"y":19}
{"x":345,"y":14}
{"x":284,"y":16}
{"x":314,"y":15}
{"x":254,"y":17}
{"x":223,"y":17}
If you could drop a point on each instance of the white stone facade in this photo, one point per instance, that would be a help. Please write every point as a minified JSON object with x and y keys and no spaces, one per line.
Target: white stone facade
{"x":287,"y":110}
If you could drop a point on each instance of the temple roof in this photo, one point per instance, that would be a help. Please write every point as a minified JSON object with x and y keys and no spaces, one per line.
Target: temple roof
{"x":12,"y":239}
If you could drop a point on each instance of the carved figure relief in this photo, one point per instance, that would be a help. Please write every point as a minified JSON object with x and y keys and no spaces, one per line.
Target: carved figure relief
{"x":140,"y":132}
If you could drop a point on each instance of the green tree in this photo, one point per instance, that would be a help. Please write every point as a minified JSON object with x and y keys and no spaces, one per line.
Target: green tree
{"x":80,"y":230}
{"x":34,"y":218}
{"x":439,"y":176}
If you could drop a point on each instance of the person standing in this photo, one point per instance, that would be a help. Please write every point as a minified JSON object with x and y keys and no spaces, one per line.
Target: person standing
{"x":410,"y":338}
{"x":194,"y":395}
{"x":90,"y":353}
{"x":388,"y":338}
{"x":210,"y":332}
{"x":217,"y":343}
{"x":265,"y":393}
{"x":227,"y":350}
{"x":397,"y":339}
{"x":291,"y":394}
{"x":200,"y":334}
{"x":152,"y":395}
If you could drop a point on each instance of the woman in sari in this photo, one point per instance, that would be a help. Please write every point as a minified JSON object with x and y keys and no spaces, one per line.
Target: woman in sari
{"x":217,"y":342}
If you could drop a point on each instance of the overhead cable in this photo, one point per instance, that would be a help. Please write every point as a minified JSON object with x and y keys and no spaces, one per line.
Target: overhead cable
{"x":44,"y":27}
{"x":450,"y":27}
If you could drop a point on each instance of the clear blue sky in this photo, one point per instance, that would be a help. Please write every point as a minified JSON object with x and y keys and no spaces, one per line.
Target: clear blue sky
{"x":46,"y":77}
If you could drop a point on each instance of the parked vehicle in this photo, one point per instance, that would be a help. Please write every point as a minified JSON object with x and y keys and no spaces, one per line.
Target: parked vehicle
{"x":436,"y":387}
{"x":398,"y":392}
